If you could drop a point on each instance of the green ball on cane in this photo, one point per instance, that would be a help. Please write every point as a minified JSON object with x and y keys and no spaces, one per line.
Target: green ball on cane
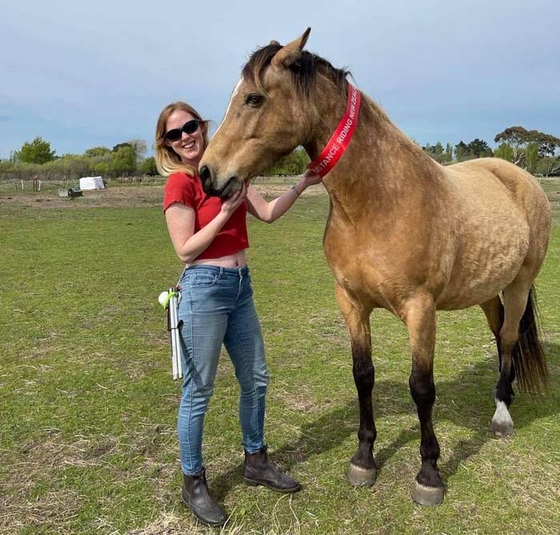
{"x":164,"y":298}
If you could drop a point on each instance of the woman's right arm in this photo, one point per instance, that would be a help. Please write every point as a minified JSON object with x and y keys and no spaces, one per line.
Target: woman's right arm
{"x":180,"y":219}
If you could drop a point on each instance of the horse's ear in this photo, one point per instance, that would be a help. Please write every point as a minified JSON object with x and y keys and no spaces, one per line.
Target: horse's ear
{"x":290,"y":53}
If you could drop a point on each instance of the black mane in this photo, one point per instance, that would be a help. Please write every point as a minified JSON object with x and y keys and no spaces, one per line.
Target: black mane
{"x":303,"y":71}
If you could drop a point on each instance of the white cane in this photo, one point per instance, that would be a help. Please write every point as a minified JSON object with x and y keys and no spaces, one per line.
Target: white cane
{"x":170,"y":301}
{"x":177,"y":351}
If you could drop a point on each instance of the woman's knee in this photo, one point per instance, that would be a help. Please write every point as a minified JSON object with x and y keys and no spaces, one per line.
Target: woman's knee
{"x":256,"y":385}
{"x":197,"y":393}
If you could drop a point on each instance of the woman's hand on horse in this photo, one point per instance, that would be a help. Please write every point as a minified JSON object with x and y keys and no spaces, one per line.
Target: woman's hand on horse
{"x":230,"y":205}
{"x":310,"y":178}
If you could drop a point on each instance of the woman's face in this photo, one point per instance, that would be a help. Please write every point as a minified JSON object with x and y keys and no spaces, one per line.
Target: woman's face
{"x":189,"y":147}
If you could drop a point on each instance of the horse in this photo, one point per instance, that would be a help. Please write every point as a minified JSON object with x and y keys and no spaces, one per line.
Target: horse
{"x":404,"y":233}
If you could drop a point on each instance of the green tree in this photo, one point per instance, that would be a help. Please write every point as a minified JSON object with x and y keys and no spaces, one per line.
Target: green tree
{"x":101,"y":168}
{"x":436,"y":152}
{"x":547,"y":144}
{"x":37,"y":151}
{"x":519,"y":138}
{"x":505,"y":152}
{"x":97,"y":152}
{"x":448,"y":153}
{"x":515,"y":136}
{"x":548,"y":166}
{"x":121,"y":145}
{"x":148,"y":166}
{"x":531,"y":157}
{"x":123,"y":160}
{"x":478,"y":148}
{"x":461,"y":152}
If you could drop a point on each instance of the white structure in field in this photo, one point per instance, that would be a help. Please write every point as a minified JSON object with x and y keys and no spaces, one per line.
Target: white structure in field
{"x":92,"y":182}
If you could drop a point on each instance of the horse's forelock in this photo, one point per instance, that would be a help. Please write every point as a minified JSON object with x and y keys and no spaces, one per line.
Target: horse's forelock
{"x":303,"y":72}
{"x":258,"y":62}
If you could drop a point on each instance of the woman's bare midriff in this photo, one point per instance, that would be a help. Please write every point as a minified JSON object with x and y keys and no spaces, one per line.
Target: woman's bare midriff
{"x":236,"y":260}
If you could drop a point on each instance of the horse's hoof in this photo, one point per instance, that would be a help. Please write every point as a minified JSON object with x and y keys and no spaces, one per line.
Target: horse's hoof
{"x":360,"y":477}
{"x":427,"y":495}
{"x":503,"y":429}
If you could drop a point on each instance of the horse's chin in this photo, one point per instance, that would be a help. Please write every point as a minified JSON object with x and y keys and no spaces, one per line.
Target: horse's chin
{"x":225,"y":192}
{"x":231,"y":187}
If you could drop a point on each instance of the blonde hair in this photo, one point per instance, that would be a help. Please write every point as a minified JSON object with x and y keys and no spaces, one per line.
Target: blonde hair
{"x":167,"y":160}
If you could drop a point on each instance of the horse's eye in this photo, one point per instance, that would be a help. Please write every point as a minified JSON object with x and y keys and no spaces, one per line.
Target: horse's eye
{"x":253,"y":99}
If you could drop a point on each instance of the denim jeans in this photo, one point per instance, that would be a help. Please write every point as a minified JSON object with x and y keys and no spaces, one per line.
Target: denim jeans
{"x":217,"y":307}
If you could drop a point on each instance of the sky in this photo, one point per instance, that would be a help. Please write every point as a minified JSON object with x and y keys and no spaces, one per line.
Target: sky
{"x":88,"y":74}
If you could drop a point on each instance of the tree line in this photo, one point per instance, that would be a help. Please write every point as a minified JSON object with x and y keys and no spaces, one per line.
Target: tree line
{"x":535,"y":151}
{"x":37,"y":158}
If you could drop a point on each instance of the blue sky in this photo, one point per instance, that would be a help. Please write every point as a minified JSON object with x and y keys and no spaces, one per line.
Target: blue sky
{"x":82,"y":75}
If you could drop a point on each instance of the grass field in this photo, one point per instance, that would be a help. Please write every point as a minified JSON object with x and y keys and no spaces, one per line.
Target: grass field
{"x":88,"y":406}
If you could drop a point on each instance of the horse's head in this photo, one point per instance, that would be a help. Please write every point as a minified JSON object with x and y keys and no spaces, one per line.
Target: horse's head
{"x":264,"y":121}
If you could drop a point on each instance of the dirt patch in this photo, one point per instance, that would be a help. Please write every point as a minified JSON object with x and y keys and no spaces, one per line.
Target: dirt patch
{"x":127,"y":196}
{"x":110,"y":197}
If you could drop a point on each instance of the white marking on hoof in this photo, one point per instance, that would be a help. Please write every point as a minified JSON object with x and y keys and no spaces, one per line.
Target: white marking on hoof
{"x":427,"y":495}
{"x":360,"y":477}
{"x":502,"y":424}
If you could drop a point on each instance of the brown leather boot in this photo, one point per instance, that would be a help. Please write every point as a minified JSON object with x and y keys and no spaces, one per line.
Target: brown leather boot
{"x":196,"y":496}
{"x":259,"y":471}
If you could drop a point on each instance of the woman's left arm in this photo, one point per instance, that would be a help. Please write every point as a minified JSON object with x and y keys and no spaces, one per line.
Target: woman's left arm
{"x":271,"y":211}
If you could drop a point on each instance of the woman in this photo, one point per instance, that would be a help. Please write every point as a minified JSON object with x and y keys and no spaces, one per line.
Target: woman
{"x":210,"y":235}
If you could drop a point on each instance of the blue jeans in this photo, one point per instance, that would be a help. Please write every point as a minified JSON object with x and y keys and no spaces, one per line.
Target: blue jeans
{"x":217,"y":307}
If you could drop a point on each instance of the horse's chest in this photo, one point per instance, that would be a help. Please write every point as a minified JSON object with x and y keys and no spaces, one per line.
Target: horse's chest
{"x":354,"y":261}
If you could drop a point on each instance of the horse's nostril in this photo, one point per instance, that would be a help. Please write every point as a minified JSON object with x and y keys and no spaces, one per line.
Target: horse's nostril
{"x":204,"y":173}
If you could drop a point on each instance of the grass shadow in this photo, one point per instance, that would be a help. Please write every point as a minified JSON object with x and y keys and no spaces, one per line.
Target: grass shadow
{"x":456,"y":403}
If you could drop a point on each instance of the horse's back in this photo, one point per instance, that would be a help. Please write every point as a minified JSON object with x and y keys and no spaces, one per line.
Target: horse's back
{"x":524,"y":189}
{"x":509,"y":191}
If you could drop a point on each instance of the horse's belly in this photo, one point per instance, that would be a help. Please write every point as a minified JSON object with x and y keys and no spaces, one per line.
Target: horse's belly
{"x":463,"y":262}
{"x":484,"y":267}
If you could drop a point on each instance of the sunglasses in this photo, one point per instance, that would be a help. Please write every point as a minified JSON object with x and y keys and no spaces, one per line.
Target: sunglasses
{"x":190,"y":127}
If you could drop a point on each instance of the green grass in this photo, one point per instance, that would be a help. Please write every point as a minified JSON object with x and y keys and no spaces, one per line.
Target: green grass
{"x":88,"y":407}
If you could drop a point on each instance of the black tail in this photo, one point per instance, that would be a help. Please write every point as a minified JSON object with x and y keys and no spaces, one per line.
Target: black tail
{"x":529,"y":360}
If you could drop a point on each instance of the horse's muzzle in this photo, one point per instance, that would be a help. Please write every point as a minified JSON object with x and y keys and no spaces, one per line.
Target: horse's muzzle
{"x":229,"y":187}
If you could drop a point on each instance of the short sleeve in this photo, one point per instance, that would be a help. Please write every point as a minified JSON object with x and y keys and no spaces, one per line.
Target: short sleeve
{"x":178,"y":188}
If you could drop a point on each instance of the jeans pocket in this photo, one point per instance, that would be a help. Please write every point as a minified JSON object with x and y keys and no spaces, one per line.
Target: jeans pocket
{"x":203,"y":280}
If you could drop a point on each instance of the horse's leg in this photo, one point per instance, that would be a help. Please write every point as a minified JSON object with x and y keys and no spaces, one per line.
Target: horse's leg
{"x":502,"y":424}
{"x":362,"y":469}
{"x":494,"y":312}
{"x":420,"y":318}
{"x":515,"y":302}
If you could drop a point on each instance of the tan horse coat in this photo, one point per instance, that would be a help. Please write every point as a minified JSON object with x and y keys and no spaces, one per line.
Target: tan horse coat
{"x":404,"y":233}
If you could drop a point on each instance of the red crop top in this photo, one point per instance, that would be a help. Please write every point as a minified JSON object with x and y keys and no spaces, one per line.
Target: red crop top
{"x":187,"y":190}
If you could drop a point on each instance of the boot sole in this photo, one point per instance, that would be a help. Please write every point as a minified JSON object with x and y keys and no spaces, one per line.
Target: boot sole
{"x":255,"y":483}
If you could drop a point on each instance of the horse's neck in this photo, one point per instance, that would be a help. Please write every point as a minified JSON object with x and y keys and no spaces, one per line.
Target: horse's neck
{"x":380,"y":163}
